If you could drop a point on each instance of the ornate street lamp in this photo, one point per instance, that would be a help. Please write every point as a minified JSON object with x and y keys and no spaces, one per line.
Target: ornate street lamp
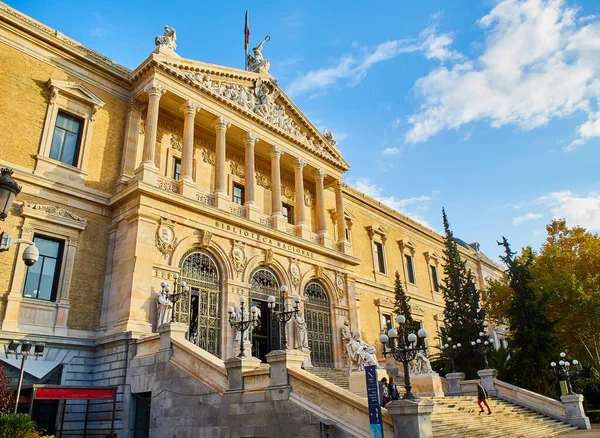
{"x":451,"y":352}
{"x":13,"y":347}
{"x":402,"y":350}
{"x":179,"y":288}
{"x":564,"y":370}
{"x":284,"y":316}
{"x":9,"y":189}
{"x":483,"y":345}
{"x":242,"y":324}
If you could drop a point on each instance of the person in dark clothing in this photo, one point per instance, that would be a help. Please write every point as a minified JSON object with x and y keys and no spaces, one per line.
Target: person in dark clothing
{"x":384,"y":392}
{"x":482,"y":396}
{"x":393,"y":390}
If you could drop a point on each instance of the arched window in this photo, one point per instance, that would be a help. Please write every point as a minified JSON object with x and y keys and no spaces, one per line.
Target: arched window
{"x":201,"y":306}
{"x":265,"y":335}
{"x":318,"y":324}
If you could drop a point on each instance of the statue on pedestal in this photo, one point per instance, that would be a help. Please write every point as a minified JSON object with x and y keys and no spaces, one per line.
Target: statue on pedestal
{"x":164,"y":306}
{"x":346,"y":336}
{"x":168,"y":39}
{"x":420,"y":365}
{"x":361,"y":353}
{"x":257,"y":63}
{"x":301,"y":334}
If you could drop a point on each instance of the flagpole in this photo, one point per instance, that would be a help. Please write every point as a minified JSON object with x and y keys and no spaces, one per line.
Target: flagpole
{"x":246,"y":42}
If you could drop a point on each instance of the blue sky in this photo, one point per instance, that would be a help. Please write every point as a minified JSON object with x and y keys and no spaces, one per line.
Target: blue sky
{"x":489,"y":108}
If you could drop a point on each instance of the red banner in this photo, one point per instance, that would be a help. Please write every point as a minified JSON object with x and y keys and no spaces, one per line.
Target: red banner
{"x":74,"y":394}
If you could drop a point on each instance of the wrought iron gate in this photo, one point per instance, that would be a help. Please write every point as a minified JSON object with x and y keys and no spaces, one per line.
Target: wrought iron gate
{"x":265,"y":336}
{"x":201,"y":306}
{"x":318,"y":324}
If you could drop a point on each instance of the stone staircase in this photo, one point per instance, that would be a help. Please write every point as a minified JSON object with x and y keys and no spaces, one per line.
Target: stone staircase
{"x":336,"y":376}
{"x":455,"y":417}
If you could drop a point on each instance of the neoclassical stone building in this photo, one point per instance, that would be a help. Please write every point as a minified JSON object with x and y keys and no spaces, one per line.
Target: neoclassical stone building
{"x":183,"y":167}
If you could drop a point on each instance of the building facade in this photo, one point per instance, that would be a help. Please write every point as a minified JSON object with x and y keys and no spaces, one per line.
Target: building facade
{"x":188,"y":168}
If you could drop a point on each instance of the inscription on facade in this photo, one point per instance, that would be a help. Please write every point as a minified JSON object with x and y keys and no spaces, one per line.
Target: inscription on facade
{"x":263,"y":239}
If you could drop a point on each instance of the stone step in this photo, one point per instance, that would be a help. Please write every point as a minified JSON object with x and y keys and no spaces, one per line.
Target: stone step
{"x":336,"y":376}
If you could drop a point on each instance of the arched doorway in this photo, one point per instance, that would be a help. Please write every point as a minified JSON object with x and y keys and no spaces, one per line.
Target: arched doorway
{"x":318,"y":324}
{"x":200,"y":308}
{"x":265,"y":336}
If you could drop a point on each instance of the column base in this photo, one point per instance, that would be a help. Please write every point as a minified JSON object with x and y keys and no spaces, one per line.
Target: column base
{"x":147,"y":172}
{"x":122,"y":181}
{"x":411,"y":418}
{"x":303,"y":231}
{"x":11,"y":314}
{"x":279,"y":222}
{"x":344,"y":246}
{"x":325,"y":240}
{"x":252,"y":211}
{"x":187,"y":187}
{"x":221,"y":200}
{"x":62,"y":315}
{"x":247,"y":349}
{"x":487,"y":380}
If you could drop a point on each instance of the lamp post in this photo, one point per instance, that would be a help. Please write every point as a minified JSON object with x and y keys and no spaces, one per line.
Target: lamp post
{"x":483,"y":345}
{"x":451,"y":352}
{"x":564,"y":370}
{"x":179,"y":288}
{"x":12,"y":347}
{"x":284,"y":316}
{"x":9,"y":189}
{"x":242,"y":324}
{"x":402,"y":350}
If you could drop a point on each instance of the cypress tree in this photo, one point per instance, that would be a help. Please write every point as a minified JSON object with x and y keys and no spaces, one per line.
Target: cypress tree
{"x":531,"y":337}
{"x":402,"y":306}
{"x":463,"y":316}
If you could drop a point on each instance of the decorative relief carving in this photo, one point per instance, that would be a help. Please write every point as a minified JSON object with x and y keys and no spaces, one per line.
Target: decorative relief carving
{"x":209,"y":157}
{"x":238,"y":257}
{"x":341,"y":312}
{"x":238,"y":290}
{"x":295,"y":273}
{"x":52,"y":211}
{"x":205,"y":199}
{"x":308,"y":198}
{"x":170,"y":185}
{"x":176,"y":142}
{"x":318,"y":271}
{"x":165,"y":238}
{"x":205,"y":238}
{"x":162,"y":274}
{"x":263,"y":179}
{"x":237,"y":169}
{"x":269,"y":257}
{"x":167,"y":39}
{"x":340,"y":286}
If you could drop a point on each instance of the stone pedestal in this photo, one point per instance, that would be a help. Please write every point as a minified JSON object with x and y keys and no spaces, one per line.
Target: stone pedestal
{"x":487,"y":380}
{"x":575,"y":413}
{"x":187,"y":187}
{"x":307,"y":362}
{"x":147,"y":172}
{"x":252,"y":212}
{"x":279,"y":222}
{"x":247,"y":348}
{"x":358,"y":382}
{"x":221,"y":200}
{"x":280,"y":361}
{"x":173,"y":330}
{"x":454,"y":379}
{"x":412,"y":418}
{"x":303,"y":231}
{"x":427,"y":385}
{"x":235,"y":367}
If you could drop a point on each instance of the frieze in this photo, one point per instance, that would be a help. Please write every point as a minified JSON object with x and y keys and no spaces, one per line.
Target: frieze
{"x":237,"y":169}
{"x":54,"y":214}
{"x":209,"y":157}
{"x":341,"y":312}
{"x":176,"y":142}
{"x":162,"y":274}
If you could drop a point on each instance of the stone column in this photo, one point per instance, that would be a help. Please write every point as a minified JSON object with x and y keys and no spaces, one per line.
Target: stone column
{"x":221,"y":125}
{"x":130,"y":144}
{"x":148,"y":172}
{"x":324,"y":238}
{"x":343,"y":244}
{"x":278,"y":220}
{"x":188,"y":187}
{"x":299,"y":210}
{"x":252,"y":211}
{"x":412,"y":418}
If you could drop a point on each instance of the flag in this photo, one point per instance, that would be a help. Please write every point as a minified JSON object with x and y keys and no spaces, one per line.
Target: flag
{"x":246,"y":33}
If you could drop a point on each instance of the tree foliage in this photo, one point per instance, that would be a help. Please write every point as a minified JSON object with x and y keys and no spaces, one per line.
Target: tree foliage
{"x":531,"y":337}
{"x":401,"y":304}
{"x":463,"y":316}
{"x":7,"y":398}
{"x":567,"y":271}
{"x":495,"y":299}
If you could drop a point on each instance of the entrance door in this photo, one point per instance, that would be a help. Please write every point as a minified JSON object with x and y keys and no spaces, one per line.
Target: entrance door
{"x":266,"y":335}
{"x":318,"y":325}
{"x":200,"y":308}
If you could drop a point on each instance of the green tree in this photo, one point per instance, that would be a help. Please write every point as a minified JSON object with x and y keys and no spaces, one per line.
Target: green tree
{"x":402,"y":306}
{"x":7,"y":398}
{"x":463,"y":316}
{"x":531,"y":337}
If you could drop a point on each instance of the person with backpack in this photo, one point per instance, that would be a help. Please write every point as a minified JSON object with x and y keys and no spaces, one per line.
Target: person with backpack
{"x":482,"y":396}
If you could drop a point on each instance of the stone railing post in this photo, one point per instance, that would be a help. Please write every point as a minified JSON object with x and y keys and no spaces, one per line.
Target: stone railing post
{"x":487,"y":380}
{"x":454,"y":379}
{"x":412,"y":418}
{"x":575,"y":413}
{"x":235,"y":367}
{"x":280,"y":361}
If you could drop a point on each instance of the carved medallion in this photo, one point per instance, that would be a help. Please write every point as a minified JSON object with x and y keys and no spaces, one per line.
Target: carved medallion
{"x":165,"y":237}
{"x":176,"y":142}
{"x":318,"y":271}
{"x":295,"y":274}
{"x":269,"y":257}
{"x":339,"y":286}
{"x":237,"y":169}
{"x":238,"y":257}
{"x":205,"y":238}
{"x":308,"y":198}
{"x":209,"y":157}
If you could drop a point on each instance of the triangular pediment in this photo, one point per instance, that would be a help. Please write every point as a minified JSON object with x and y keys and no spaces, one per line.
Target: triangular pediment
{"x":258,"y":95}
{"x":77,"y":90}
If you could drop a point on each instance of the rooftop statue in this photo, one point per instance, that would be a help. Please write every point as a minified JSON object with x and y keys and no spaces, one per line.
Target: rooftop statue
{"x":256,"y":62}
{"x":168,"y":39}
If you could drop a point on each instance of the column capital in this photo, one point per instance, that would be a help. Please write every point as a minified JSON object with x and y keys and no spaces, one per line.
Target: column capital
{"x":299,"y":163}
{"x":154,"y":88}
{"x":276,"y":151}
{"x":190,"y":107}
{"x":221,"y":124}
{"x":250,"y":137}
{"x":319,"y":174}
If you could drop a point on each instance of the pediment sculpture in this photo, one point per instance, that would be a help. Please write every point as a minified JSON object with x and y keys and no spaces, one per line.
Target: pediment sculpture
{"x":167,"y":39}
{"x":257,"y":63}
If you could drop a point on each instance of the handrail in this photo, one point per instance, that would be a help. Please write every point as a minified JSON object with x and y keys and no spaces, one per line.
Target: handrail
{"x":531,"y":400}
{"x":200,"y":364}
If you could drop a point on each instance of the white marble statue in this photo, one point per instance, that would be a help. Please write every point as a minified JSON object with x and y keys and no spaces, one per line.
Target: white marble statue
{"x":257,"y":63}
{"x":420,"y":365}
{"x":301,"y":333}
{"x":168,"y":39}
{"x":346,"y":336}
{"x":361,"y":353}
{"x":164,"y":306}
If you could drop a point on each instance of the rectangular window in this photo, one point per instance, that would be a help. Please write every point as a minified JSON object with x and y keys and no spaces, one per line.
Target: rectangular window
{"x":176,"y":169}
{"x":288,"y":213}
{"x":238,"y":194}
{"x":66,"y":139}
{"x":434,"y":279}
{"x":41,"y":281}
{"x":380,"y":257}
{"x":410,"y":269}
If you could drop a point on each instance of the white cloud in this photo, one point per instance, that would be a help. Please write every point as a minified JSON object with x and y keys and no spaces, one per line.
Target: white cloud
{"x":526,"y":218}
{"x":538,"y":63}
{"x":390,"y":151}
{"x":577,"y":210}
{"x":352,"y":68}
{"x":407,"y":206}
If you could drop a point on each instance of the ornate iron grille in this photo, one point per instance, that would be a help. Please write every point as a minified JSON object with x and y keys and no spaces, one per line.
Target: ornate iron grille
{"x":264,"y":283}
{"x":201,"y":308}
{"x":318,"y":325}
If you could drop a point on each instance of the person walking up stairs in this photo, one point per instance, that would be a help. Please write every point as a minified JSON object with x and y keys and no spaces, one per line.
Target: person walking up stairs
{"x":482,"y":396}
